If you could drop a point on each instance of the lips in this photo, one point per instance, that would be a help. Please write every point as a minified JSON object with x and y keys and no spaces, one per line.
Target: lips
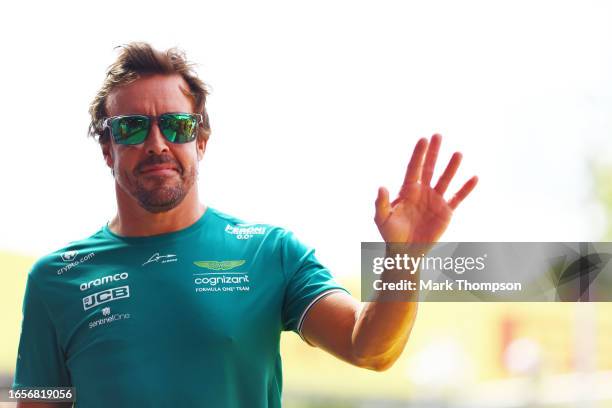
{"x":159,"y":165}
{"x":158,"y":170}
{"x":148,"y":169}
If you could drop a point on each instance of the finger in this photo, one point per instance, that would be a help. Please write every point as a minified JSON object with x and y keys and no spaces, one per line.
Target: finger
{"x":413,"y":172}
{"x":448,"y":174}
{"x":430,"y":159}
{"x":463,"y":192}
{"x":382,"y":206}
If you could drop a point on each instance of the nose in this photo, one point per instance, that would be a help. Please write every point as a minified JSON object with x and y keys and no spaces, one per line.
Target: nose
{"x":156,"y":143}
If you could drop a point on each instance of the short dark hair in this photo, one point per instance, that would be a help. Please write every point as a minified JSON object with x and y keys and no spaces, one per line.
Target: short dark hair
{"x":137,"y":59}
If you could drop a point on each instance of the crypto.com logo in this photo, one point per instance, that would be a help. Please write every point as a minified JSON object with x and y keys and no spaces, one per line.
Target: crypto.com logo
{"x":69,"y":256}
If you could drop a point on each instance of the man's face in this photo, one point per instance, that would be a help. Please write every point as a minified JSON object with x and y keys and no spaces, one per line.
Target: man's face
{"x":157,"y":174}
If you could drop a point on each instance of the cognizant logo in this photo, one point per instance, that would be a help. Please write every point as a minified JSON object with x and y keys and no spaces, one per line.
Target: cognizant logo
{"x":214,"y":280}
{"x":104,"y":280}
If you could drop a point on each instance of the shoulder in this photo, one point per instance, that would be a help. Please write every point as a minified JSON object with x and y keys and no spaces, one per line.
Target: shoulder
{"x":272,"y":242}
{"x":240,"y":229}
{"x":63,"y":259}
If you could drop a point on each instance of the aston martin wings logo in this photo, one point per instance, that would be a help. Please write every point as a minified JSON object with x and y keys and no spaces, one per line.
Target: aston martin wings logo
{"x":219,"y":265}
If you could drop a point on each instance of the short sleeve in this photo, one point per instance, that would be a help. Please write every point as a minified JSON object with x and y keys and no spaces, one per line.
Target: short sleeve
{"x":40,"y":360}
{"x":307,"y":282}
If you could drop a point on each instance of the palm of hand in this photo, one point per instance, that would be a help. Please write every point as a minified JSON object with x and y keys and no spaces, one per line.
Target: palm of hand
{"x":420,"y":214}
{"x":421,"y":217}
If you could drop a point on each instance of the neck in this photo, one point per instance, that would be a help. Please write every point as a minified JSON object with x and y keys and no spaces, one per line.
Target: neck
{"x":134,"y":221}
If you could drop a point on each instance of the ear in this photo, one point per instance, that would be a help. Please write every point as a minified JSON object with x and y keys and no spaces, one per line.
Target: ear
{"x":201,"y":147}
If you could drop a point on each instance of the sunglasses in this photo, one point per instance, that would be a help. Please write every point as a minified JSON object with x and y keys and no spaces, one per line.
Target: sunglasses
{"x":134,"y":129}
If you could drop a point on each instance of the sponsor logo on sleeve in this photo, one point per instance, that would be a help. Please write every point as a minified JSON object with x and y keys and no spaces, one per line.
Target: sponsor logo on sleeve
{"x":242,"y":231}
{"x":71,"y":256}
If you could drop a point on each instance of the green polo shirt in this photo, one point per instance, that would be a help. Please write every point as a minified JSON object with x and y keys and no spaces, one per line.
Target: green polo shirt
{"x":190,"y":318}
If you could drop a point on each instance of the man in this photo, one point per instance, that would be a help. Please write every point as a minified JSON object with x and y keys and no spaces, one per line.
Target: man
{"x":174,"y":303}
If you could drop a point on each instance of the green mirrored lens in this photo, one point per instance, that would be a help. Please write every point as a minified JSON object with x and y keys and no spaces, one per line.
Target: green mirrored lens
{"x":178,"y":127}
{"x":130,"y":129}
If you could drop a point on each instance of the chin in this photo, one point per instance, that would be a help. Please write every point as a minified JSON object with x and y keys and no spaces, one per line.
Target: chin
{"x":161,"y":204}
{"x":161,"y":198}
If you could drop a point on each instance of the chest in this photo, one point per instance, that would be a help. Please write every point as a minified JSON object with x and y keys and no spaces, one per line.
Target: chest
{"x":174,"y":299}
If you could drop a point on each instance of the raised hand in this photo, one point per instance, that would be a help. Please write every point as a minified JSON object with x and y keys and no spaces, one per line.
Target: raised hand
{"x":420,"y":214}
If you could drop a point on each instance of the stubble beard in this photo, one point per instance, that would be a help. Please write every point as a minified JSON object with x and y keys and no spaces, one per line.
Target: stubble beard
{"x":158,"y":194}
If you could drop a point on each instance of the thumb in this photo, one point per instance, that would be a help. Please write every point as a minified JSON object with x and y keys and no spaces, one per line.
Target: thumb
{"x":382,"y":206}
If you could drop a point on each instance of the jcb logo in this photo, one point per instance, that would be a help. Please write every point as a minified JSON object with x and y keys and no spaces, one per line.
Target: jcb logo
{"x":106,"y":296}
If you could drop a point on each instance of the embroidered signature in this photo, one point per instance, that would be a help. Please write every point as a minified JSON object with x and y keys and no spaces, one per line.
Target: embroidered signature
{"x":156,"y":257}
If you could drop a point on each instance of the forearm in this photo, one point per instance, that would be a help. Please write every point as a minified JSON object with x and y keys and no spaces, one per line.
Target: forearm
{"x":381,"y":332}
{"x":384,"y":324}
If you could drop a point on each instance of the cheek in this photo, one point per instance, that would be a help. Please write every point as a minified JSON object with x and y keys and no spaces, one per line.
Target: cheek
{"x":126,"y":159}
{"x":187,"y":158}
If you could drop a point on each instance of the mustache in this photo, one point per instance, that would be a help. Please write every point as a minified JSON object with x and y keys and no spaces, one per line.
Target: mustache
{"x":163,"y":159}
